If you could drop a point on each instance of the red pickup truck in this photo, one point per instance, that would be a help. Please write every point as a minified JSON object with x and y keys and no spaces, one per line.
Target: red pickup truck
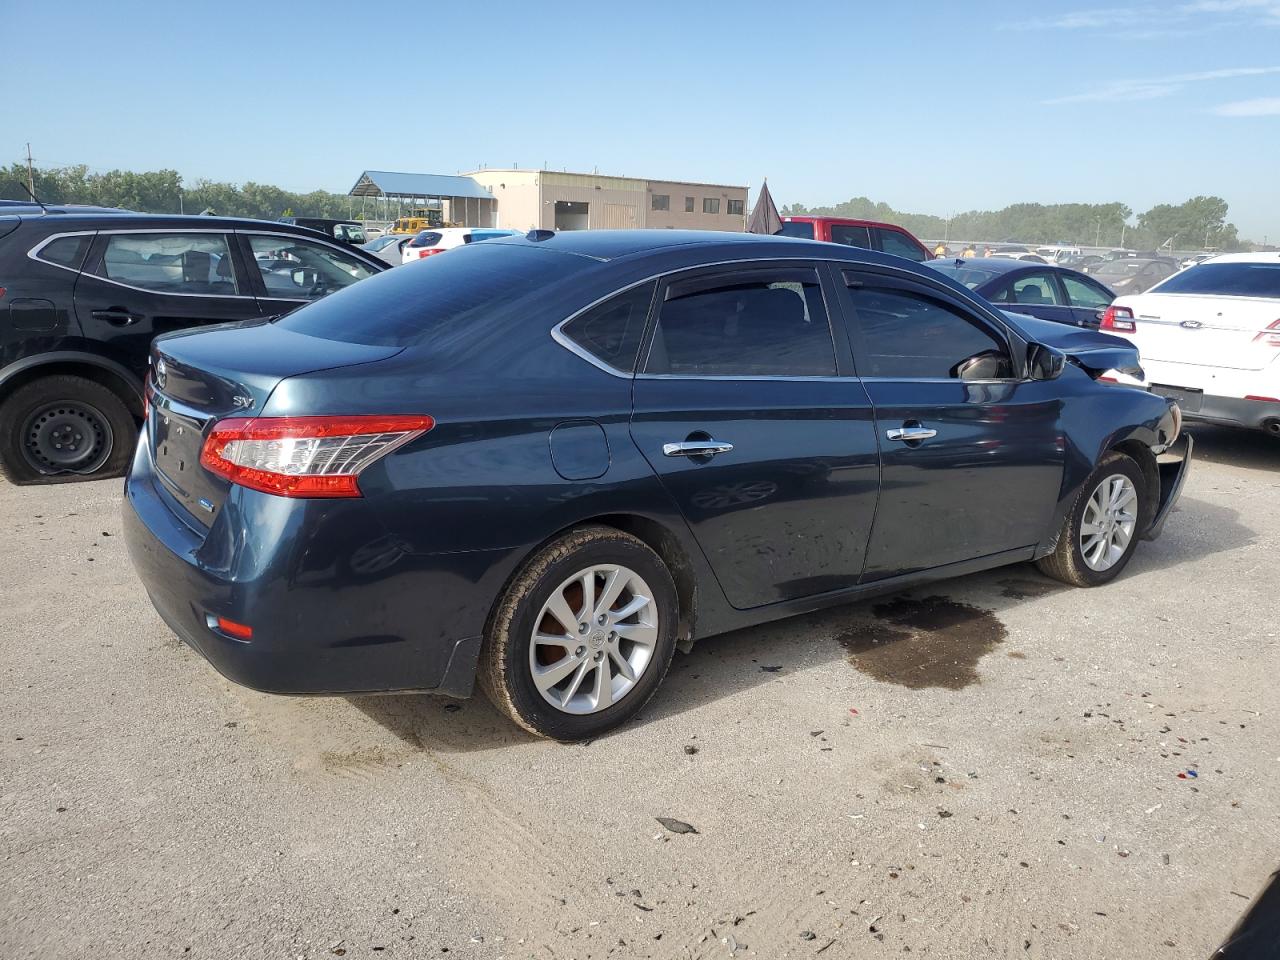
{"x":868,"y":234}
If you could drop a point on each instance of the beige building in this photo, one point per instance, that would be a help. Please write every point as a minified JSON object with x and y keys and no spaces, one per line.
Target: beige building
{"x":551,"y":200}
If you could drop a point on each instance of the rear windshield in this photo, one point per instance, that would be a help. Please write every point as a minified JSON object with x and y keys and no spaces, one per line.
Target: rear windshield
{"x":405,"y":306}
{"x":971,"y":277}
{"x":1227,"y":280}
{"x":802,"y":230}
{"x":1120,"y":268}
{"x":425,"y":239}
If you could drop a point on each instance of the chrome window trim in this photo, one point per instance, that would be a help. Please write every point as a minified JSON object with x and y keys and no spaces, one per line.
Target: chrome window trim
{"x":34,"y":252}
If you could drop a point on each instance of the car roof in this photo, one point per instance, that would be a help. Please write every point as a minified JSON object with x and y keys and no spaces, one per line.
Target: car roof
{"x":106,"y":219}
{"x":1272,"y":256}
{"x":844,"y":221}
{"x":990,"y":264}
{"x":616,"y":244}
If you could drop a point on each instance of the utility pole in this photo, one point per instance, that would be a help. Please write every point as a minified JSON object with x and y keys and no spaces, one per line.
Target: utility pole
{"x":31,"y":173}
{"x":1097,"y":236}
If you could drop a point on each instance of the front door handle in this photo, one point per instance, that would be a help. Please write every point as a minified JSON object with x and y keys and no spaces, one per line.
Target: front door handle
{"x":911,"y":433}
{"x":118,"y":316}
{"x":696,"y":448}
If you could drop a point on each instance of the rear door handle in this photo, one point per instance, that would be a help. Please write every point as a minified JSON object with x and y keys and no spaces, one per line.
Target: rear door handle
{"x":696,"y":448}
{"x":909,"y":434}
{"x":116,"y":315}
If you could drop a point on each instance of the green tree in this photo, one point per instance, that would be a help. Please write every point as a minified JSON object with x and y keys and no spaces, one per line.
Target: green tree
{"x":1195,"y":223}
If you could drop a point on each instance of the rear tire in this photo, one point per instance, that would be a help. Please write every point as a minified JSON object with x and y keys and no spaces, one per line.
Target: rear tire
{"x":64,"y":428}
{"x":1096,"y":541}
{"x":576,"y":680}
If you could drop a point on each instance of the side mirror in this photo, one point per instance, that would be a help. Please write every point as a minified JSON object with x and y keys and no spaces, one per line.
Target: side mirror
{"x":1045,"y":362}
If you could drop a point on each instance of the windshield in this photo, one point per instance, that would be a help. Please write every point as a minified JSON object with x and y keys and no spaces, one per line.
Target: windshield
{"x":374,"y":246}
{"x":971,"y":277}
{"x":802,"y":230}
{"x":405,"y":306}
{"x":1227,"y":280}
{"x":1120,"y":268}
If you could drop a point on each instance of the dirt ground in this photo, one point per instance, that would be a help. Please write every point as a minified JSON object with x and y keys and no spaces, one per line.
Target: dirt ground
{"x":995,"y":766}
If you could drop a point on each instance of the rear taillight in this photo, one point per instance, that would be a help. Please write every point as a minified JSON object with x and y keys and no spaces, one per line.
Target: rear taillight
{"x":147,"y":391}
{"x":429,"y":251}
{"x":1118,"y":319}
{"x":305,"y":456}
{"x":1,"y":291}
{"x":1271,"y":336}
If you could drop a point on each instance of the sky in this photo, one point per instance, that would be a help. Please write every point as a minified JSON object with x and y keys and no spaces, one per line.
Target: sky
{"x":932,"y":108}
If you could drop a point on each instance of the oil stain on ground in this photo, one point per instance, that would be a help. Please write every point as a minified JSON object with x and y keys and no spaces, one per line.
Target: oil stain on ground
{"x":919,"y":643}
{"x":1029,"y":589}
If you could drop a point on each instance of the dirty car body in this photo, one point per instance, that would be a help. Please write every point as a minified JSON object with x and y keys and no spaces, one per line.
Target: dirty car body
{"x":815,"y":466}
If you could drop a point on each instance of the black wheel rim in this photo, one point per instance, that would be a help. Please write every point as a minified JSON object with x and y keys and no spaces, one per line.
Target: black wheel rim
{"x":67,"y":436}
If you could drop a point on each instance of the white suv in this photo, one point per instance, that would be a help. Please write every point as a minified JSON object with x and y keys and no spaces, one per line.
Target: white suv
{"x":440,"y":239}
{"x":1210,"y":337}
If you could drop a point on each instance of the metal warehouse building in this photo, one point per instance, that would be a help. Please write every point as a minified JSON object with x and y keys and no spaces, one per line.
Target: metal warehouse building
{"x":555,"y":200}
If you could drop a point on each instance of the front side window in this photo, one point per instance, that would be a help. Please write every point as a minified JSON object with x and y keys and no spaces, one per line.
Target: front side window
{"x":735,"y":208}
{"x":611,"y":331}
{"x":710,"y":204}
{"x":904,"y":334}
{"x":295,"y":269}
{"x":758,"y":323}
{"x":688,"y":204}
{"x":660,"y":201}
{"x":184,"y":263}
{"x":1082,"y":294}
{"x":1226,"y":280}
{"x":851,"y":236}
{"x":891,"y":241}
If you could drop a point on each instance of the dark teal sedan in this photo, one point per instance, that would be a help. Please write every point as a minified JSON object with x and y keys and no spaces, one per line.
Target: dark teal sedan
{"x":1037,"y":289}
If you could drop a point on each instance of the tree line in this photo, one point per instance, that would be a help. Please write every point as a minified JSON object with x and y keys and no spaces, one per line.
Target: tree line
{"x":1198,"y":223}
{"x":163,"y":191}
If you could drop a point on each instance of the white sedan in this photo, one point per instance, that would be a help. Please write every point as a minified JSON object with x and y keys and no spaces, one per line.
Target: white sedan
{"x":440,"y":239}
{"x":1209,"y":336}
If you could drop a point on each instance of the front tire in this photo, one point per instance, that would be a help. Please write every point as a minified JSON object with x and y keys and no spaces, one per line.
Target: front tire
{"x":582,"y":637}
{"x":1103,"y":527}
{"x":62,"y":428}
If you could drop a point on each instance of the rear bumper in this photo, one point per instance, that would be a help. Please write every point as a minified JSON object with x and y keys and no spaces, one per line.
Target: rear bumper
{"x":335,"y":604}
{"x":1254,"y":414}
{"x":1174,"y":466}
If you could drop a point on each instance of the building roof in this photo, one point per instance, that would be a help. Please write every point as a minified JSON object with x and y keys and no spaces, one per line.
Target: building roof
{"x":384,"y":183}
{"x":605,"y":176}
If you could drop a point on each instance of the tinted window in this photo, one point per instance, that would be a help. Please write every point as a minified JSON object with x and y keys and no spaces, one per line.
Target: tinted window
{"x":1081,"y":293}
{"x":851,"y":236}
{"x":66,"y":251}
{"x":474,"y":284}
{"x":971,"y":277}
{"x":426,"y":238}
{"x":349,"y":232}
{"x":760,"y":323}
{"x":1120,"y":268}
{"x":611,"y":332}
{"x":793,"y":229}
{"x":1227,"y":280}
{"x":1037,"y":289}
{"x":171,"y":262}
{"x":903,"y":334}
{"x":891,"y":241}
{"x":296,"y":269}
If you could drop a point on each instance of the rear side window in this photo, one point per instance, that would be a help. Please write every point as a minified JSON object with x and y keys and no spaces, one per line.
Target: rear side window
{"x":475,"y":284}
{"x":66,"y":251}
{"x":1036,"y":289}
{"x":851,"y":236}
{"x":903,"y":334}
{"x":611,"y":331}
{"x":802,"y":230}
{"x":891,"y":241}
{"x":183,"y":263}
{"x":753,"y":323}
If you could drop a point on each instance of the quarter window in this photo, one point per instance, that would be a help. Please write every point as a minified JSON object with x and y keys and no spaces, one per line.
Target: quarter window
{"x":754,"y":323}
{"x":660,"y":201}
{"x":296,"y":269}
{"x":184,"y":263}
{"x":903,"y":334}
{"x":710,"y":204}
{"x":66,"y":251}
{"x":735,"y":208}
{"x":611,"y":332}
{"x":1082,"y":294}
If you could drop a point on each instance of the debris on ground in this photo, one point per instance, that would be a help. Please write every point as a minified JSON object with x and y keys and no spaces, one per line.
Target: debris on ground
{"x":676,"y":826}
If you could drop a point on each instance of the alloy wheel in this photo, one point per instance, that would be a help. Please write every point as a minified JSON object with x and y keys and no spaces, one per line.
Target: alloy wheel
{"x":1109,"y":520}
{"x":593,"y":639}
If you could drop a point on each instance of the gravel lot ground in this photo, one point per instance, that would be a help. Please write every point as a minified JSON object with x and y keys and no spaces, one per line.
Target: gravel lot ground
{"x":1000,"y":779}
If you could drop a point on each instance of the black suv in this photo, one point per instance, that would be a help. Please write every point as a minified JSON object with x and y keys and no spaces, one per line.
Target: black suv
{"x":82,"y":294}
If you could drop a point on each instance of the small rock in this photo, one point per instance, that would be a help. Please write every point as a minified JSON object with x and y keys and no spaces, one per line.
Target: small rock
{"x":808,"y":935}
{"x":773,"y":669}
{"x":690,"y":749}
{"x":676,"y":826}
{"x":451,"y":708}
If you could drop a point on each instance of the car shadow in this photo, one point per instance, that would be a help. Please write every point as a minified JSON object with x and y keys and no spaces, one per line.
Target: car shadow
{"x":956,"y":622}
{"x":1235,"y":447}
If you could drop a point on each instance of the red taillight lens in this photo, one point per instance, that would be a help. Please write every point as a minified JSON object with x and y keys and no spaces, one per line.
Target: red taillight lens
{"x":147,"y":390}
{"x":1118,"y":320}
{"x":305,"y":456}
{"x":1271,"y":336}
{"x":429,"y":252}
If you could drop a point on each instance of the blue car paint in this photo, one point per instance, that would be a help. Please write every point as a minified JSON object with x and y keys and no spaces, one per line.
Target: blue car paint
{"x":392,"y":591}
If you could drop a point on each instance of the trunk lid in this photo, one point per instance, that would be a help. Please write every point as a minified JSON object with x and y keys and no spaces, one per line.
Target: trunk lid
{"x":200,"y":377}
{"x":1206,"y":331}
